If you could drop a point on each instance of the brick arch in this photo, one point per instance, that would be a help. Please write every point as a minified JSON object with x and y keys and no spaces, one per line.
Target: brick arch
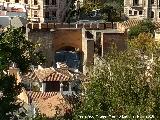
{"x":67,"y":37}
{"x":66,"y":48}
{"x":59,"y":47}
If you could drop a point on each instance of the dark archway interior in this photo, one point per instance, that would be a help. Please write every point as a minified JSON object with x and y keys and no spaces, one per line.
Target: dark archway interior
{"x":66,"y":48}
{"x":68,"y":55}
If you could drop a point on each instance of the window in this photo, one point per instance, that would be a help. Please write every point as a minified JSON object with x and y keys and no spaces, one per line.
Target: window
{"x":7,"y":0}
{"x":35,"y":14}
{"x":152,"y":14}
{"x":135,"y":2}
{"x":46,"y":14}
{"x":159,"y":14}
{"x":26,"y":1}
{"x":152,"y":1}
{"x":53,"y":2}
{"x":159,"y":3}
{"x":16,"y":1}
{"x":65,"y":86}
{"x":52,"y":86}
{"x":140,"y":12}
{"x":130,"y":12}
{"x":46,"y":2}
{"x":35,"y":2}
{"x":53,"y":13}
{"x":135,"y":12}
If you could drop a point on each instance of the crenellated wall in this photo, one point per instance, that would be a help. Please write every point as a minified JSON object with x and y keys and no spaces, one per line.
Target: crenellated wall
{"x":82,"y":37}
{"x":88,"y":26}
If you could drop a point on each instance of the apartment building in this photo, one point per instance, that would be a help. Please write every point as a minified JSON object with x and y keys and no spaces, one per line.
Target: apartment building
{"x":48,"y":10}
{"x":142,"y":9}
{"x":16,"y":1}
{"x":44,"y":10}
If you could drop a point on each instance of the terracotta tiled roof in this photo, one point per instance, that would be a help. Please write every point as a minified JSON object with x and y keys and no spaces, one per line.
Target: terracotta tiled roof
{"x":52,"y":106}
{"x":131,"y":23}
{"x":64,"y":71}
{"x":31,"y":75}
{"x":128,"y":24}
{"x":43,"y":73}
{"x":157,"y":24}
{"x":38,"y":74}
{"x":49,"y":74}
{"x":56,"y":76}
{"x":39,"y":95}
{"x":49,"y":103}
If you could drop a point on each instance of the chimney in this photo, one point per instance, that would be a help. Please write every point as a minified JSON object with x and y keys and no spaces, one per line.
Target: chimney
{"x":61,"y":88}
{"x":13,"y":70}
{"x":70,"y":87}
{"x":58,"y":66}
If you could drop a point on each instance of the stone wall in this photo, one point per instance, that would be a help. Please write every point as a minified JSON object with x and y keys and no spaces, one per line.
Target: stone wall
{"x":88,"y":26}
{"x":119,"y":39}
{"x":44,"y":39}
{"x":67,"y":37}
{"x":52,"y":41}
{"x":88,"y":49}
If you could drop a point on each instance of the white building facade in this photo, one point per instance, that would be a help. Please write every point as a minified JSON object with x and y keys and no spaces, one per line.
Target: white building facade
{"x":47,"y":10}
{"x":142,"y":9}
{"x":44,"y":10}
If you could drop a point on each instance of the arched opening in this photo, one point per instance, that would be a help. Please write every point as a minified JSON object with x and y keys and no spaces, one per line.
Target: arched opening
{"x":152,"y":14}
{"x":68,"y":55}
{"x":66,"y":48}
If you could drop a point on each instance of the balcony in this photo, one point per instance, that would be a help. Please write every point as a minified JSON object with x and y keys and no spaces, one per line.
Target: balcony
{"x":137,"y":5}
{"x":49,"y":19}
{"x":35,"y":7}
{"x":140,"y":17}
{"x":50,"y":6}
{"x":34,"y":19}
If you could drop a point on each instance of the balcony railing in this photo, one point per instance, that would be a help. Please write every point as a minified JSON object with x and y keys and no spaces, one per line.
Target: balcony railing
{"x":136,"y":5}
{"x":35,"y":7}
{"x":34,"y":19}
{"x":49,"y":19}
{"x":51,"y":5}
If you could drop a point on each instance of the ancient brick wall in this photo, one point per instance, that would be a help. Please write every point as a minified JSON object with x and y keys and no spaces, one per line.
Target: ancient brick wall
{"x":44,"y":39}
{"x":88,"y":49}
{"x":119,"y":39}
{"x":67,"y":37}
{"x":52,"y":41}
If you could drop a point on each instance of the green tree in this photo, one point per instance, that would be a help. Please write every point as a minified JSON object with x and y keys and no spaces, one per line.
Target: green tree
{"x":145,"y":26}
{"x":89,"y":6}
{"x":125,"y":83}
{"x":8,"y":99}
{"x":14,"y":48}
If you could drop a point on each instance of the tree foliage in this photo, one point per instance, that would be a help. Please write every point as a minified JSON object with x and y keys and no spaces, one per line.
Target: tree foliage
{"x":111,"y":10}
{"x":145,"y":26}
{"x":14,"y":48}
{"x":125,"y":84}
{"x":8,"y":100}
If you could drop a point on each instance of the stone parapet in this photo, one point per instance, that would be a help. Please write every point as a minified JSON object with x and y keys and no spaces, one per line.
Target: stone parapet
{"x":88,"y":26}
